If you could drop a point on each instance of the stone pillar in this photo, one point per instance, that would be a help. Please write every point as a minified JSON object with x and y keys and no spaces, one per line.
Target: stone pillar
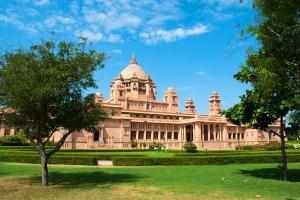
{"x":137,"y":135}
{"x":215,"y":133}
{"x":159,"y":135}
{"x":145,"y":134}
{"x":202,"y":132}
{"x":197,"y":133}
{"x":152,"y":136}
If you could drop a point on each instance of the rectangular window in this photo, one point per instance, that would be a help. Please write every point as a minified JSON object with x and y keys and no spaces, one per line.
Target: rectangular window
{"x":96,"y":136}
{"x":162,"y":135}
{"x":6,"y":131}
{"x":156,"y":135}
{"x":133,"y":135}
{"x":141,"y":135}
{"x":169,"y":135}
{"x":175,"y":135}
{"x":148,"y":135}
{"x":229,"y":136}
{"x":243,"y":136}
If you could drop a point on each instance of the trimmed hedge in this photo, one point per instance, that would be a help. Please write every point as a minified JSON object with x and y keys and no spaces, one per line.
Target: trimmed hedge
{"x":118,"y":161}
{"x":61,"y":154}
{"x":64,"y":160}
{"x":234,"y":153}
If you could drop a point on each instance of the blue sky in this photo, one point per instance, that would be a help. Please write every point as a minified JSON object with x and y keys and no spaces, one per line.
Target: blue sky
{"x":192,"y":45}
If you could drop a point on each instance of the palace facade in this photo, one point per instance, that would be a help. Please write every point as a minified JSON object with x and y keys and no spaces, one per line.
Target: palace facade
{"x":137,"y":116}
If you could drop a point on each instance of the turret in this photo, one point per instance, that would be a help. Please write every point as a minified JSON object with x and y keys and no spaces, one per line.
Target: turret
{"x":190,"y":108}
{"x":214,"y":104}
{"x":99,"y":98}
{"x":172,"y":98}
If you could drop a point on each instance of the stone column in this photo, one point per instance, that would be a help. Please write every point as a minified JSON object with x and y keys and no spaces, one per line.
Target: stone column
{"x":208,"y":132}
{"x":215,"y":133}
{"x":197,"y":133}
{"x":137,"y":135}
{"x":159,"y":135}
{"x":152,"y":136}
{"x":184,"y":134}
{"x":202,"y":132}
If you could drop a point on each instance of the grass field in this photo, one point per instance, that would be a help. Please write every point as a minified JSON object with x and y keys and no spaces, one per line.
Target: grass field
{"x":243,"y":181}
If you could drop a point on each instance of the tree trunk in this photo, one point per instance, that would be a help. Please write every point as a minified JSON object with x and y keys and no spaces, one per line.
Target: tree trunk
{"x":44,"y":165}
{"x":284,"y":166}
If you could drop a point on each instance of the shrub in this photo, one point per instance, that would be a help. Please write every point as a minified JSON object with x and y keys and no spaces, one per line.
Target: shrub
{"x":293,"y":146}
{"x":134,"y":144}
{"x":156,"y":146}
{"x":205,"y":160}
{"x":190,"y":147}
{"x":14,"y":140}
{"x":65,"y":160}
{"x":247,"y":147}
{"x":272,"y":146}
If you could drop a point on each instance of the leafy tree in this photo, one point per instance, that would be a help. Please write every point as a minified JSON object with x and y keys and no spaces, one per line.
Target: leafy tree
{"x":273,"y":70}
{"x":294,"y":123}
{"x":42,"y":90}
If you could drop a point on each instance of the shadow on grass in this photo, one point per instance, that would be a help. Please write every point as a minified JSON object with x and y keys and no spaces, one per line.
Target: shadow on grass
{"x":272,"y":173}
{"x":85,"y":180}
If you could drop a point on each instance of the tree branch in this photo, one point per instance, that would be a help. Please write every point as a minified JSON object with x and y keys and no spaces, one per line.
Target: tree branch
{"x":51,"y":134}
{"x":272,"y":131}
{"x":59,"y":144}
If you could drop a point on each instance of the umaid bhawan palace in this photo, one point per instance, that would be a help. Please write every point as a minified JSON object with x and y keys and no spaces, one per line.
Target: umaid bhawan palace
{"x":137,"y":116}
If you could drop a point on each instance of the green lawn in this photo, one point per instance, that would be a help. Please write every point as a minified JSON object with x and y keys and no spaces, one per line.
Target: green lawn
{"x":243,"y":181}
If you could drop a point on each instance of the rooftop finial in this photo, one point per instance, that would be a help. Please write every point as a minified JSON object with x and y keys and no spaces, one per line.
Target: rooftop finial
{"x":133,"y":59}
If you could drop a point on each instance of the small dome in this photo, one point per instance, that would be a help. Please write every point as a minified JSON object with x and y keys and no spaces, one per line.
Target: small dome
{"x":171,"y":91}
{"x":118,"y":82}
{"x":133,"y":70}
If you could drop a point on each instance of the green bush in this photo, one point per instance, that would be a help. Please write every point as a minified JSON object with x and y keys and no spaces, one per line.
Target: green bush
{"x":64,"y":160}
{"x":190,"y":147}
{"x":156,"y":146}
{"x":272,"y":146}
{"x":205,"y":160}
{"x":13,"y":140}
{"x":247,"y":147}
{"x":134,"y":144}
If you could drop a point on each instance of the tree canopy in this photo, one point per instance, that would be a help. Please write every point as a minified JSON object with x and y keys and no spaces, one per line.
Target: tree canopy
{"x":43,"y":89}
{"x":272,"y":69}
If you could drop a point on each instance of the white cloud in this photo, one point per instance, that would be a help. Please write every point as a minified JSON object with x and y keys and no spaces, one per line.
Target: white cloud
{"x":54,"y":20}
{"x":160,"y":35}
{"x":116,"y":51}
{"x":201,"y":73}
{"x":74,"y":6}
{"x":31,"y":12}
{"x":18,"y":24}
{"x":191,"y":87}
{"x":112,"y":20}
{"x":95,"y":36}
{"x":90,"y":35}
{"x":40,"y":2}
{"x":227,"y":3}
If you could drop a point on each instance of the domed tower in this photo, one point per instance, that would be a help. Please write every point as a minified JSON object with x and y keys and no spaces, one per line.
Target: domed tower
{"x":214,"y":104}
{"x":137,"y":84}
{"x":190,"y":107}
{"x":99,"y":98}
{"x":117,"y":91}
{"x":172,"y":98}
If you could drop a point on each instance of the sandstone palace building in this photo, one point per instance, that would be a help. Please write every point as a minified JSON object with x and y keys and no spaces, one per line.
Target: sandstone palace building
{"x":137,"y":116}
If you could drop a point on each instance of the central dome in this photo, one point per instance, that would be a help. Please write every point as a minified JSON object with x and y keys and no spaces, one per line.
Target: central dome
{"x":133,"y":70}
